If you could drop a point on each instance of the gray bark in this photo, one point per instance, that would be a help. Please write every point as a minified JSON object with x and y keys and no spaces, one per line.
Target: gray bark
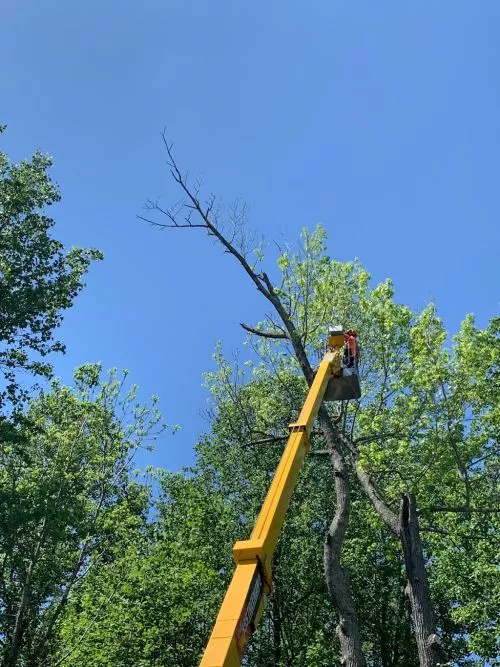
{"x":14,"y":643}
{"x":337,"y":579}
{"x":406,"y":527}
{"x":430,"y":651}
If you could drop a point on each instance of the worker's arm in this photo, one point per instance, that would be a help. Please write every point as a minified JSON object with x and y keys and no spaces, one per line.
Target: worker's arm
{"x":251,"y":582}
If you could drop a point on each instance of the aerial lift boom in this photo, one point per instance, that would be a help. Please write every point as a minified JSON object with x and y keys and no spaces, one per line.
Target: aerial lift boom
{"x":335,"y":379}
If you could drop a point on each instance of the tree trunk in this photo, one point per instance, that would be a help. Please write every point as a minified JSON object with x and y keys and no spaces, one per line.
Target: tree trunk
{"x":430,"y":652}
{"x":339,"y":586}
{"x":398,"y":639}
{"x":14,"y":643}
{"x":337,"y":579}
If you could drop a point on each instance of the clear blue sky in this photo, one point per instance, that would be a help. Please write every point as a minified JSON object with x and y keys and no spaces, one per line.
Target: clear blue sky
{"x":379,"y":119}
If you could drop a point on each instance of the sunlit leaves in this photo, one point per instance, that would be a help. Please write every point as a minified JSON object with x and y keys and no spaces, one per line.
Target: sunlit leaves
{"x":67,"y":501}
{"x":38,"y":278}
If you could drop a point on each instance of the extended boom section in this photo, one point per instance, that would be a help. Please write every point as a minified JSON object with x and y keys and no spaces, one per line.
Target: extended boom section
{"x":251,"y":583}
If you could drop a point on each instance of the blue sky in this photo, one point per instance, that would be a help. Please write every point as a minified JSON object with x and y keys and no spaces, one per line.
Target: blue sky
{"x":379,"y":119}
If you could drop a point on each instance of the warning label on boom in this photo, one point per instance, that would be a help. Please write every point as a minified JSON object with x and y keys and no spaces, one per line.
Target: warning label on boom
{"x":246,"y":624}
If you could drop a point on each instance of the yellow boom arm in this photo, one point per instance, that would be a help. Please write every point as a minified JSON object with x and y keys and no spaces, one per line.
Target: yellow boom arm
{"x":244,"y":601}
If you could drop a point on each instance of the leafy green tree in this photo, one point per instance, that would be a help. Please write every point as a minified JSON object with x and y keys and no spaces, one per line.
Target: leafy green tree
{"x":412,"y":544}
{"x":410,"y":442}
{"x":414,"y":454}
{"x":154,"y":604}
{"x":249,"y":429}
{"x":67,"y":502}
{"x":38,"y":279}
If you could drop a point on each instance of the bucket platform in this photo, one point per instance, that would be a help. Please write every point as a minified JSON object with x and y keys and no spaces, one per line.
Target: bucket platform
{"x":344,"y":388}
{"x":343,"y":385}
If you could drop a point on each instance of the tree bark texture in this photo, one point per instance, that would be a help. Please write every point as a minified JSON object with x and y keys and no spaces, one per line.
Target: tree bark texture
{"x":337,"y":579}
{"x":406,"y":527}
{"x":430,"y":652}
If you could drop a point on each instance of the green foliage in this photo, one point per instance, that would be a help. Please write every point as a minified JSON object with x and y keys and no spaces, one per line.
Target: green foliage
{"x":154,"y":604}
{"x":38,"y":279}
{"x":67,"y":502}
{"x":428,"y":423}
{"x":299,"y":623}
{"x":97,"y":569}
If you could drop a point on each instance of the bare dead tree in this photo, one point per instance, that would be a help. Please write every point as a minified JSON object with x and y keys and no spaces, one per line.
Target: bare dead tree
{"x":191,"y":213}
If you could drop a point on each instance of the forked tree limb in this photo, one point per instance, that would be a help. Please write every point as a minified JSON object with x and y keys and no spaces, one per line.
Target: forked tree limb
{"x":264,"y":334}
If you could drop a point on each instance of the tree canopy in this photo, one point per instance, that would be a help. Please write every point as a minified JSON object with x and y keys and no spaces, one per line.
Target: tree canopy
{"x":429,"y":412}
{"x":411,"y":379}
{"x":38,"y":278}
{"x":389,"y":552}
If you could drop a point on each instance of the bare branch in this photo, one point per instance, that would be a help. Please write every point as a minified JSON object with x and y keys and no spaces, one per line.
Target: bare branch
{"x":173,"y":226}
{"x":209,"y":222}
{"x":263,"y":334}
